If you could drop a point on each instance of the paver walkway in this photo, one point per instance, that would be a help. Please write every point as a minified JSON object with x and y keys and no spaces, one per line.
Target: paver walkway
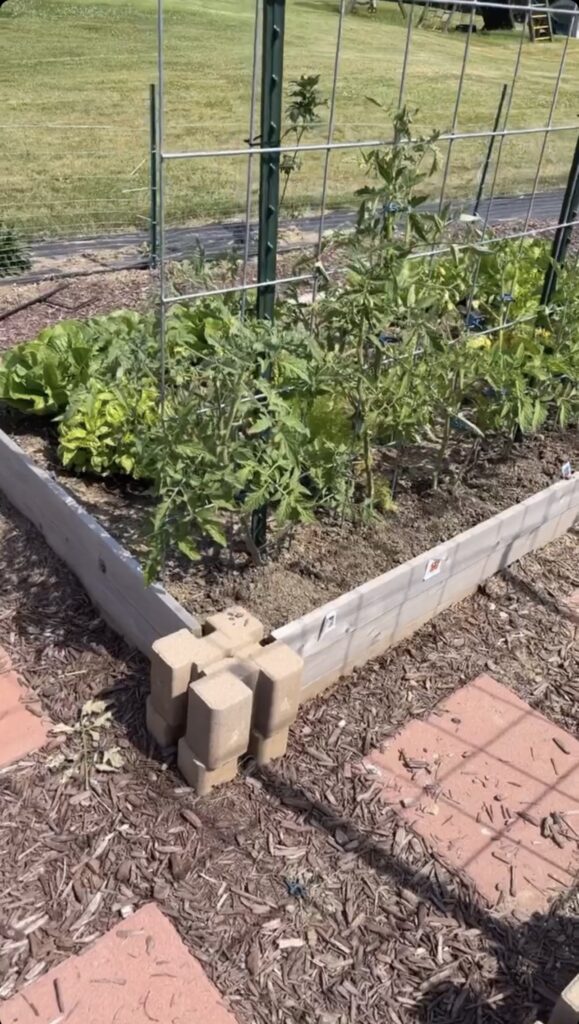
{"x":493,"y":787}
{"x":21,"y":731}
{"x":139,"y":971}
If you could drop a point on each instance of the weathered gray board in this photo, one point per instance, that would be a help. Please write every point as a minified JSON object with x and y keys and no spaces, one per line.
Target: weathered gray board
{"x":109,"y":574}
{"x":363,"y":623}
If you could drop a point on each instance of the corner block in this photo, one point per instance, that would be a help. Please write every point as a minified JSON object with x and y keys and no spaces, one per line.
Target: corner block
{"x":265,"y":749}
{"x":278,"y":688}
{"x":203,"y":779}
{"x":236,"y":623}
{"x":163,"y":732}
{"x":218,"y":718}
{"x":176,"y":659}
{"x":566,"y":1009}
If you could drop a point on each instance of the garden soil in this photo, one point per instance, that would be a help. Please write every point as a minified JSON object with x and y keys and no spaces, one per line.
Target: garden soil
{"x":79,"y":299}
{"x":316,"y":563}
{"x":301,"y":893}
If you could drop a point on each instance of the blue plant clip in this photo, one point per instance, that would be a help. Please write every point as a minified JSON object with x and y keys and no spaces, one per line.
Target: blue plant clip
{"x":475,"y":321}
{"x":393,"y":207}
{"x":296,"y":889}
{"x":459,"y":425}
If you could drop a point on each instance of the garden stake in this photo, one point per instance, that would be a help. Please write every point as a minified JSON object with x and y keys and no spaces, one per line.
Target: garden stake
{"x":331,"y":120}
{"x":490,"y":148}
{"x":567,"y":217}
{"x":250,"y":143}
{"x":271,"y":115}
{"x":153,"y":176}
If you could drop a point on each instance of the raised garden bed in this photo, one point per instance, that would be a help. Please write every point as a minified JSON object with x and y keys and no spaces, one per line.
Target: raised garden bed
{"x":318,"y":562}
{"x":381,"y":430}
{"x":346,"y":631}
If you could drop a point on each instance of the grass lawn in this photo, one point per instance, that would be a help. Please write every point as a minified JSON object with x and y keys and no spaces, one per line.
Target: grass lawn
{"x":74,"y":80}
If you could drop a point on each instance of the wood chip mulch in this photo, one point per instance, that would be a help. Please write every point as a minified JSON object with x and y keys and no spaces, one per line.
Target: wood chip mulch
{"x":78,"y":298}
{"x":303,"y":896}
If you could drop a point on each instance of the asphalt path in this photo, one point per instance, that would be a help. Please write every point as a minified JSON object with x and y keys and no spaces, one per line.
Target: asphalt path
{"x":217,"y":239}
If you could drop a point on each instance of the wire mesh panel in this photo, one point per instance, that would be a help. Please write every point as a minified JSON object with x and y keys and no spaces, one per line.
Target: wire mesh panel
{"x":514,"y":139}
{"x":75,"y":136}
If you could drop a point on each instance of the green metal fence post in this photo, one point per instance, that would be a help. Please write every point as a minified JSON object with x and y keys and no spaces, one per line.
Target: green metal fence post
{"x":271,"y":115}
{"x":567,"y":217}
{"x":489,"y":152}
{"x":153,"y":211}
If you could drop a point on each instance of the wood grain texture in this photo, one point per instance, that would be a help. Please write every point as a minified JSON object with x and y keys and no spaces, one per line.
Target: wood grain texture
{"x":110,"y":575}
{"x":380,"y":613}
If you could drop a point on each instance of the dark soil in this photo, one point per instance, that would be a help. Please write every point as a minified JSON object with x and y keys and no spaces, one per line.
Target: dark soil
{"x":80,"y":298}
{"x":376,"y":931}
{"x":319,"y":562}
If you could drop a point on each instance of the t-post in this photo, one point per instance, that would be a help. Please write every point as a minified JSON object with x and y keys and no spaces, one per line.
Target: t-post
{"x":271,"y":115}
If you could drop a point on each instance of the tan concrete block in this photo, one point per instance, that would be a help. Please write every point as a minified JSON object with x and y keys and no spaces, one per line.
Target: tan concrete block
{"x":265,"y":749}
{"x":566,"y":1009}
{"x":163,"y":732}
{"x":238,"y":624}
{"x":176,"y":660}
{"x":218,"y":718}
{"x":244,"y":669}
{"x":249,"y":651}
{"x":201,"y":778}
{"x":277,"y":693}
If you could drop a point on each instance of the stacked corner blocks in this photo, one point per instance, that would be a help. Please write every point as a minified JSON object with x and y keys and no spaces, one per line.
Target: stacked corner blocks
{"x":219,"y":696}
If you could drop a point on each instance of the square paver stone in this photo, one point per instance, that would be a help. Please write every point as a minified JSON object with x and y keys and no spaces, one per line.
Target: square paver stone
{"x":140,"y":971}
{"x":480,"y":780}
{"x":21,"y":731}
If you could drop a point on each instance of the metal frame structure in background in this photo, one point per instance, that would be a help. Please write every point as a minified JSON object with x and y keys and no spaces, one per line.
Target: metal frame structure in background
{"x":271,"y":149}
{"x":265,"y":146}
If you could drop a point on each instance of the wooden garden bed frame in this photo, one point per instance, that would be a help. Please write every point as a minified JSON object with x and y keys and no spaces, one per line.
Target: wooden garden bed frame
{"x":334,"y":638}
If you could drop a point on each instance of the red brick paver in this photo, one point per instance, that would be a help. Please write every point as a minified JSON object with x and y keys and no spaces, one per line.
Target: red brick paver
{"x":140,"y":971}
{"x":463,"y":777}
{"x":21,"y":732}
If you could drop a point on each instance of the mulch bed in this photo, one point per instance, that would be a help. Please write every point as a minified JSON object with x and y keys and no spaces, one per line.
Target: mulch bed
{"x":103,"y":293}
{"x":79,"y":299}
{"x":303,"y":896}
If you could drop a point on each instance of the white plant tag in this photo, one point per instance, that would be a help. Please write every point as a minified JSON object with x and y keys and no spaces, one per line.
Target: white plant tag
{"x":433,"y":567}
{"x":328,"y":624}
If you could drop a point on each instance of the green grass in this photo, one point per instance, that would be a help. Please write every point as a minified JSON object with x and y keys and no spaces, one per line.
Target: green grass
{"x":74,"y":83}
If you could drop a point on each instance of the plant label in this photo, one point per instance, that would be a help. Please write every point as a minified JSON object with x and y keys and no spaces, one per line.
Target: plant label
{"x":328,"y":624}
{"x":433,"y":567}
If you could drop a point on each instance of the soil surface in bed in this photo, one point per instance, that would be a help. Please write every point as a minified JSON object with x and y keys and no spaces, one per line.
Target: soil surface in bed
{"x":318,"y":562}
